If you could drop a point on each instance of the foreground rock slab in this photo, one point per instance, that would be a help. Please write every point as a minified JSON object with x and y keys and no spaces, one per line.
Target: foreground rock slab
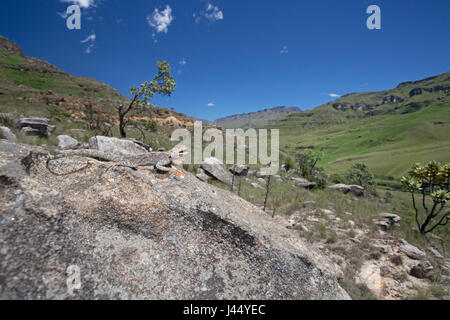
{"x":121,"y":147}
{"x":138,"y":234}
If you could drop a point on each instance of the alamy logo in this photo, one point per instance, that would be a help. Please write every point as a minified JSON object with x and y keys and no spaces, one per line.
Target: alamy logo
{"x":73,"y":17}
{"x":374,"y":21}
{"x":73,"y":279}
{"x":236,"y":148}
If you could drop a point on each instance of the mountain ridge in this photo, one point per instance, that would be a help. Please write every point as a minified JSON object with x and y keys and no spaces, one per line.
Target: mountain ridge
{"x":258,"y":118}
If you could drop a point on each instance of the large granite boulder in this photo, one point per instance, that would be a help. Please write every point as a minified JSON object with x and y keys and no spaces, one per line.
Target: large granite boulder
{"x":218,"y":170}
{"x":40,"y":126}
{"x":110,"y":232}
{"x":121,"y":147}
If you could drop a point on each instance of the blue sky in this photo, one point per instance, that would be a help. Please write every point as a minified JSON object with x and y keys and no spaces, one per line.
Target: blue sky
{"x":231,"y":56}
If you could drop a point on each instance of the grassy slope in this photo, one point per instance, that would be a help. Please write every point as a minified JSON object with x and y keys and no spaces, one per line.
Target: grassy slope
{"x":33,"y":87}
{"x":389,"y":142}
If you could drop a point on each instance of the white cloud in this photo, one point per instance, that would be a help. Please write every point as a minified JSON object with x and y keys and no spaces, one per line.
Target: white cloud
{"x":334,"y":95}
{"x":90,"y":40}
{"x":284,"y":50}
{"x":91,"y":37}
{"x":211,"y":104}
{"x":82,"y":3}
{"x":160,"y":20}
{"x":212,"y":14}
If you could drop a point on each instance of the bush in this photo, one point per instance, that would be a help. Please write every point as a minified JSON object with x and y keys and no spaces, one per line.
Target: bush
{"x":289,"y":164}
{"x":360,"y":174}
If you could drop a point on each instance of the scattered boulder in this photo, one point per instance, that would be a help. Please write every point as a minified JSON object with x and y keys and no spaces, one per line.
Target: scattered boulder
{"x":256,"y":185}
{"x":41,"y":126}
{"x":277,"y":178}
{"x":259,"y":174}
{"x":422,"y":270}
{"x":239,"y":169}
{"x":120,"y":147}
{"x":411,"y":251}
{"x":218,"y":170}
{"x":6,"y":133}
{"x":134,"y":234}
{"x":303,"y":183}
{"x":387,"y":221}
{"x":436,"y":253}
{"x":262,"y":181}
{"x":344,"y":188}
{"x":201,"y":175}
{"x":66,"y":142}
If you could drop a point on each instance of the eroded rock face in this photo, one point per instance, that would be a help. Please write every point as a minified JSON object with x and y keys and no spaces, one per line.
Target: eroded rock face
{"x":116,"y":146}
{"x":143,"y":235}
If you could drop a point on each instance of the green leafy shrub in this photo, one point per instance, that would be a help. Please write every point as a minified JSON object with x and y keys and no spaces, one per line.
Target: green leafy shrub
{"x":431,"y":184}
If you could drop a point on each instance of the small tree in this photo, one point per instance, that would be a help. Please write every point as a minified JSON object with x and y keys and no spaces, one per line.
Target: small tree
{"x":431,"y":183}
{"x":360,"y":174}
{"x":162,"y":83}
{"x":289,"y":164}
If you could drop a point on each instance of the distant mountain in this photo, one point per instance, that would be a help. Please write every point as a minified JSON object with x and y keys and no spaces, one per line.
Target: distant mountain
{"x":256,"y":119}
{"x":388,"y":130}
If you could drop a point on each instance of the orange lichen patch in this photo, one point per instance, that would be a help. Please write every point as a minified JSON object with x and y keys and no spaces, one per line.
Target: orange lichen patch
{"x":177,"y":173}
{"x":247,"y":211}
{"x":145,"y":167}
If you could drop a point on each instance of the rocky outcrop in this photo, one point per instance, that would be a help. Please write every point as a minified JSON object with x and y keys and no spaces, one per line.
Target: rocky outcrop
{"x":387,"y":221}
{"x":89,"y":230}
{"x":354,"y":189}
{"x":218,"y":170}
{"x":116,"y":146}
{"x":36,"y":126}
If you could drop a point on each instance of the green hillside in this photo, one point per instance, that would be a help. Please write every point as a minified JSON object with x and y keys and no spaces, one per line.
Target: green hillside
{"x":388,"y":130}
{"x":35,"y":88}
{"x":255,"y":119}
